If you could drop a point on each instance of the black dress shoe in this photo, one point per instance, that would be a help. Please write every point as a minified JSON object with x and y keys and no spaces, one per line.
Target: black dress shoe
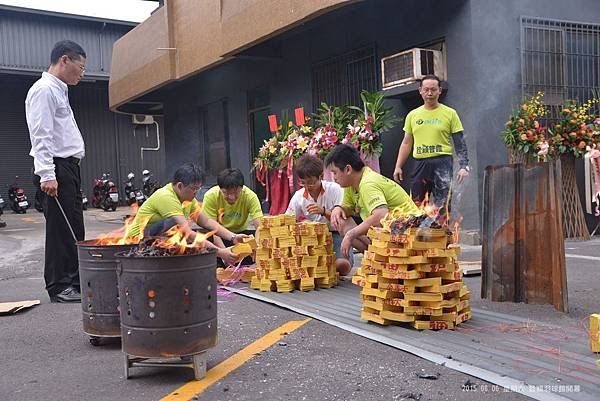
{"x":69,"y":294}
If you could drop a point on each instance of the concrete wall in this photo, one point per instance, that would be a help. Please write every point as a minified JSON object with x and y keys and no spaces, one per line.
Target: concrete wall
{"x":482,"y":41}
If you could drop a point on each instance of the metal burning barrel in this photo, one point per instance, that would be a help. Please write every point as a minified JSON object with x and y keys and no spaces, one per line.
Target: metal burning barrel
{"x":168,"y":304}
{"x":99,"y":292}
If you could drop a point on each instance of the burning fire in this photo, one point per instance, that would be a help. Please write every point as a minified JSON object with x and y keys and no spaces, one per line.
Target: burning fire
{"x":432,"y":219}
{"x":177,"y":242}
{"x":119,"y":236}
{"x":173,"y":241}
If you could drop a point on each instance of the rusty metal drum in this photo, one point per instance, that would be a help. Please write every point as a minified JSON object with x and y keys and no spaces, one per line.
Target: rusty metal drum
{"x":99,"y":292}
{"x":168,"y":304}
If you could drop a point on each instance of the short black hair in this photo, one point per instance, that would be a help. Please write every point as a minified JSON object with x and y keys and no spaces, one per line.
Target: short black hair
{"x":188,"y":174}
{"x":230,"y":178}
{"x":343,"y":155}
{"x":432,"y":77}
{"x":66,"y":47}
{"x":309,"y":166}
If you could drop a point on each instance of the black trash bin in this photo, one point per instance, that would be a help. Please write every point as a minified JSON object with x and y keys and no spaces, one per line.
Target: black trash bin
{"x":168,"y":305}
{"x":99,"y":292}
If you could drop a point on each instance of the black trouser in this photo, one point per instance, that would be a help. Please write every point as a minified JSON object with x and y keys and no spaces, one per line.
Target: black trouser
{"x":61,"y":264}
{"x":432,"y":176}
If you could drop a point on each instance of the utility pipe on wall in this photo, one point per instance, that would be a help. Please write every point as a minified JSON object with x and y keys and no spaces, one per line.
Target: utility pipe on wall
{"x":157,"y":148}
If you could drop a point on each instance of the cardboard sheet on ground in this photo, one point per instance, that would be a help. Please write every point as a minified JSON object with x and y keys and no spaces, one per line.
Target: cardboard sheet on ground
{"x":10,"y":308}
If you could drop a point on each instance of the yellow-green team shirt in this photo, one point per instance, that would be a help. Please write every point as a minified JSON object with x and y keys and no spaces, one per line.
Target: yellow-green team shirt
{"x":376,"y":190}
{"x":236,"y":216}
{"x":432,"y":130}
{"x":161,"y":205}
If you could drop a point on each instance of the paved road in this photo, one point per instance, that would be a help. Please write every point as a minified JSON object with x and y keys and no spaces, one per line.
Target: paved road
{"x":46,"y":356}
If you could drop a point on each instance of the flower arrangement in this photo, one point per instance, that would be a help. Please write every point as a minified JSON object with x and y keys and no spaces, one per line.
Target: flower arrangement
{"x":574,"y":131}
{"x":360,"y":134}
{"x":323,"y":141}
{"x":523,"y":131}
{"x":332,"y":125}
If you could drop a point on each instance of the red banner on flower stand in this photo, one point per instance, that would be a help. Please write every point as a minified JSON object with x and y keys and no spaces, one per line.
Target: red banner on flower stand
{"x":272,"y":122}
{"x":299,"y":112}
{"x":280,"y":191}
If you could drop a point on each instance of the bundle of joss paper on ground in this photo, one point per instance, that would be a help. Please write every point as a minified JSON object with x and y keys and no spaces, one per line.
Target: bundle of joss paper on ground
{"x":293,"y":255}
{"x":234,"y":274}
{"x":410,"y":275}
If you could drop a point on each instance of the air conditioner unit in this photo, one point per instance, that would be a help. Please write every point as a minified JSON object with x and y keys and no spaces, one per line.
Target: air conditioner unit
{"x":142,"y":119}
{"x":411,"y":65}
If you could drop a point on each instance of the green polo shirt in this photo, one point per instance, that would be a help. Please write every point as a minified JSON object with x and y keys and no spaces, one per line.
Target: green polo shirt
{"x":161,"y":205}
{"x":432,"y":130}
{"x":236,"y":216}
{"x":376,"y":190}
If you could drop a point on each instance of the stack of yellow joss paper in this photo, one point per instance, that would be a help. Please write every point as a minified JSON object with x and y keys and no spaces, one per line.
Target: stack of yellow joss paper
{"x":412,"y":277}
{"x":293,"y":255}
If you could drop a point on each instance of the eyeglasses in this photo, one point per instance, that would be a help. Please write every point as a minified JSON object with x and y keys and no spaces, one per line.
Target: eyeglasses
{"x":81,"y":66}
{"x":309,"y":182}
{"x":430,"y":90}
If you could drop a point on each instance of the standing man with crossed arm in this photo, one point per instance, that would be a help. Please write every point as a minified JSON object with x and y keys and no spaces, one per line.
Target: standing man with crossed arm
{"x":428,"y":131}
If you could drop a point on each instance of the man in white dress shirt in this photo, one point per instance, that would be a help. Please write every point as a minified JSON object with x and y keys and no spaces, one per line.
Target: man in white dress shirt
{"x":57,"y":148}
{"x":314,"y":202}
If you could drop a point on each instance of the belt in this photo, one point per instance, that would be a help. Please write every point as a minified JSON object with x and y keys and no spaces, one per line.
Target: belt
{"x":70,"y":159}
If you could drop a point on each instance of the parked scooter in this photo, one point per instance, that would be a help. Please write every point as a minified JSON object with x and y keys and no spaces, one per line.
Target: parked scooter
{"x":84,"y":200}
{"x":106,"y":193}
{"x":2,"y":206}
{"x":17,"y":198}
{"x":133,"y":194}
{"x":149,"y":184}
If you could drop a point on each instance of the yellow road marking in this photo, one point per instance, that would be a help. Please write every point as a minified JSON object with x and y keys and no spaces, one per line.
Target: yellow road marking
{"x":189,"y":390}
{"x":31,"y":219}
{"x":469,"y":262}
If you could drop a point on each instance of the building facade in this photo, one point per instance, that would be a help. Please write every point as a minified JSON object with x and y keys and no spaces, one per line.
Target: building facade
{"x":112,"y":141}
{"x":216,"y":90}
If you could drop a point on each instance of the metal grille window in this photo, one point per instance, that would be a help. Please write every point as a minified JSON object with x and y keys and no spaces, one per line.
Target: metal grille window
{"x":339,"y":80}
{"x":560,"y":58}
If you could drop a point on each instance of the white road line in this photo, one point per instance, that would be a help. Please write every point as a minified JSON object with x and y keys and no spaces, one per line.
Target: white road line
{"x":13,"y":230}
{"x":570,"y":255}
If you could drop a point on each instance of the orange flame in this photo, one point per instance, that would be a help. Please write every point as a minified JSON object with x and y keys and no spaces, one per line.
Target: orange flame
{"x":432,"y":211}
{"x":177,"y":241}
{"x":194,"y":215}
{"x":119,"y":236}
{"x":456,"y":229}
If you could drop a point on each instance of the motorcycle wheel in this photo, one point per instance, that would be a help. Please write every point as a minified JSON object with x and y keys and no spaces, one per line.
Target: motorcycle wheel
{"x":84,"y":207}
{"x":106,"y":205}
{"x":113,"y":207}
